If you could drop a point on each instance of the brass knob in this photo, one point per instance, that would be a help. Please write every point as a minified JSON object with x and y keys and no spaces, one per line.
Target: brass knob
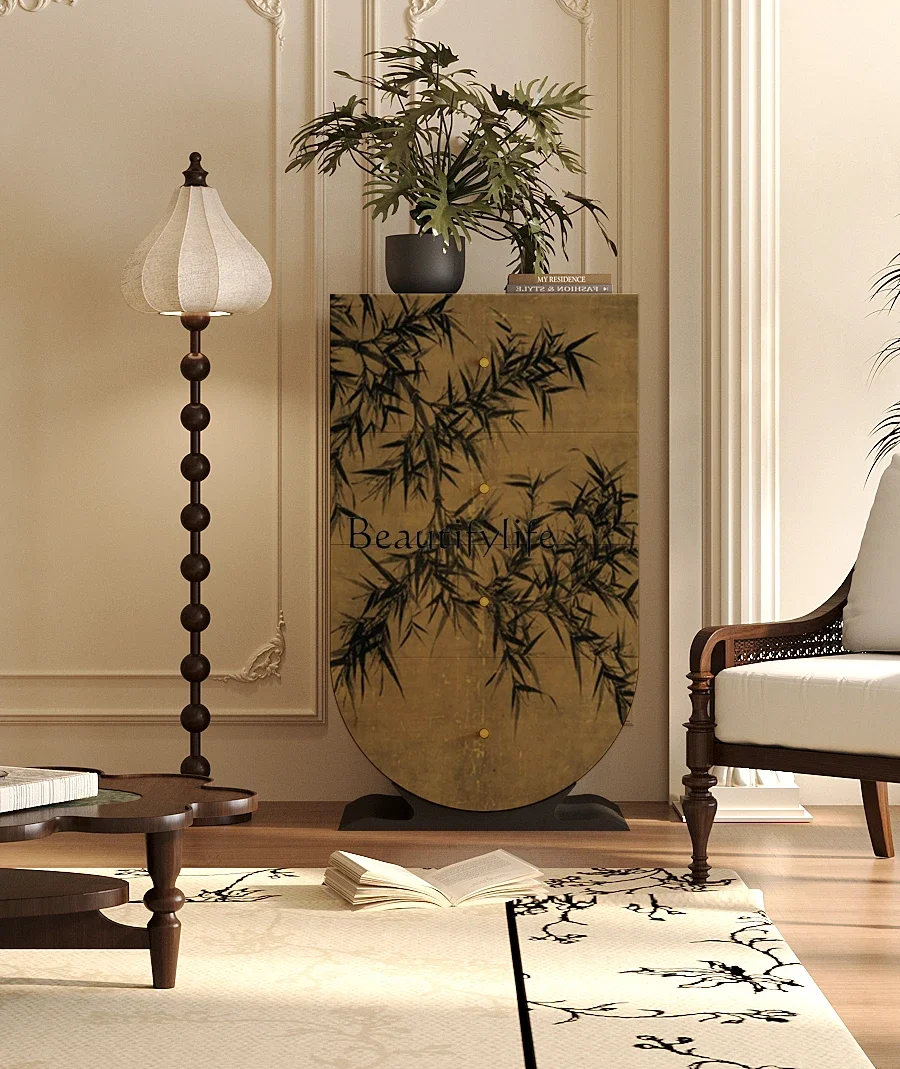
{"x":484,"y":733}
{"x":484,"y":362}
{"x":484,"y":488}
{"x":483,"y":601}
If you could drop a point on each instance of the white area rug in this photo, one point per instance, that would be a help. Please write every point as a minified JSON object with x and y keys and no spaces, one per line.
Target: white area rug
{"x":638,"y":965}
{"x":623,"y":968}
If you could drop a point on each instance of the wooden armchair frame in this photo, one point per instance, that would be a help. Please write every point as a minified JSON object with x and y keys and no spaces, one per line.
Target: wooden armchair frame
{"x":717,"y":648}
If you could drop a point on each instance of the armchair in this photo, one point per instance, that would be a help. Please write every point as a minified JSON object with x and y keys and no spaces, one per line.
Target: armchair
{"x":792,"y":699}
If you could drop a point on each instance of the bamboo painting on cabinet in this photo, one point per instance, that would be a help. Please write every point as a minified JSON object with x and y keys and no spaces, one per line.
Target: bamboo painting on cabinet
{"x":483,"y":560}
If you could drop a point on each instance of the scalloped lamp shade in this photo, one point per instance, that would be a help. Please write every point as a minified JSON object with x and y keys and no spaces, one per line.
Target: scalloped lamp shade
{"x":195,"y":261}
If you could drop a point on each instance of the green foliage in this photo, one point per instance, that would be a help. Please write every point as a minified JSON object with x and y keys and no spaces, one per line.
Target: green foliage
{"x":578,"y":591}
{"x":465,"y":158}
{"x":887,"y":430}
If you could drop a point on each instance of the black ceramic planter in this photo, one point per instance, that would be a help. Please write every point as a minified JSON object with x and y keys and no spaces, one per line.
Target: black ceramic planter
{"x":422,"y":263}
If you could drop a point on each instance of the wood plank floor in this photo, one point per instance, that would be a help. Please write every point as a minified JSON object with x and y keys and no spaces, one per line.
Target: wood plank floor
{"x":837,"y":904}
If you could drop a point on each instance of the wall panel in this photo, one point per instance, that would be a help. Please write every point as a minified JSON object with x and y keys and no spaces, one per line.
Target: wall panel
{"x":110,"y":110}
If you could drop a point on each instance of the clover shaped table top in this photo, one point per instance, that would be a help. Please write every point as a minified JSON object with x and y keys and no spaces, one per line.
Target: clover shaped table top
{"x":159,"y":803}
{"x":41,"y":910}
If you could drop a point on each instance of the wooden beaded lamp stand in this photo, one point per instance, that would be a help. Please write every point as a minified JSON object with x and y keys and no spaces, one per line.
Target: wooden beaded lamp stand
{"x":195,"y":566}
{"x":196,"y":264}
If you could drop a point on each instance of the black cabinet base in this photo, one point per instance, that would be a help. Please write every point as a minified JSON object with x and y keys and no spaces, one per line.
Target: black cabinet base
{"x":406,"y":812}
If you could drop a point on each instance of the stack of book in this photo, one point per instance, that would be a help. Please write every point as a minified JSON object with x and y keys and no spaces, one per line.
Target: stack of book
{"x":375,"y":885}
{"x":559,"y":284}
{"x":27,"y":788}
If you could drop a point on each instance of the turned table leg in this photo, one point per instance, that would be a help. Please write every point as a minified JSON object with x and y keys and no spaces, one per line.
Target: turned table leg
{"x":164,"y":900}
{"x":698,"y":802}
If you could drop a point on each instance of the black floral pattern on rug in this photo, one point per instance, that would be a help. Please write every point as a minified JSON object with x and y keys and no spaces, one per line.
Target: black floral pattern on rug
{"x":590,"y":885}
{"x":680,"y":1046}
{"x":616,"y":1010}
{"x":236,"y":891}
{"x":655,"y":911}
{"x":754,"y":934}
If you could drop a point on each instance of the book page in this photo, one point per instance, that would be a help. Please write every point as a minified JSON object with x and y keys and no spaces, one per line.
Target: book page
{"x":359,"y":894}
{"x":482,"y":873}
{"x":369,"y":870}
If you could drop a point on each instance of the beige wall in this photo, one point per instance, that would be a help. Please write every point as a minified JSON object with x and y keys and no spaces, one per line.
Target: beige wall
{"x":840,"y":199}
{"x":109,"y":108}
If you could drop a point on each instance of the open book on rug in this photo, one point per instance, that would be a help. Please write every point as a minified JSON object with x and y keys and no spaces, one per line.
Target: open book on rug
{"x":369,"y":884}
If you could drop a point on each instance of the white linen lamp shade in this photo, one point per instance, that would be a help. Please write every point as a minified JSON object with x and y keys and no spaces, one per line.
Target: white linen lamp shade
{"x":195,"y":261}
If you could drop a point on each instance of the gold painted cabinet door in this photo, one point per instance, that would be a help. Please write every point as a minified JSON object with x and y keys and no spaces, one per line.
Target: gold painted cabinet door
{"x":483,"y":583}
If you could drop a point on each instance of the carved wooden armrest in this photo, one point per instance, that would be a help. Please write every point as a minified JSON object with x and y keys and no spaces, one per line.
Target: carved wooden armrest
{"x":818,"y":633}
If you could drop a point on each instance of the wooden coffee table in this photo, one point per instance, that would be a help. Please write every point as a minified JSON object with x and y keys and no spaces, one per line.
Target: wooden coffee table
{"x":61,"y":910}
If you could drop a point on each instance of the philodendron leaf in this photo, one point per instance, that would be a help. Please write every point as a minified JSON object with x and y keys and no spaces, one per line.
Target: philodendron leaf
{"x":384,"y":198}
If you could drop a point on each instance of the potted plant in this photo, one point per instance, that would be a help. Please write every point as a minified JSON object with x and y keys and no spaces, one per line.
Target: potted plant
{"x":467,"y":159}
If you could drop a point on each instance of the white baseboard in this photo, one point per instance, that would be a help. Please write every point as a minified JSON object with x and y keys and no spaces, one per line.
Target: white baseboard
{"x":763,"y":816}
{"x":757,"y":805}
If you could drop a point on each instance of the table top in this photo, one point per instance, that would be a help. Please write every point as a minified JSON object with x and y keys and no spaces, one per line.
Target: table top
{"x":158,"y":803}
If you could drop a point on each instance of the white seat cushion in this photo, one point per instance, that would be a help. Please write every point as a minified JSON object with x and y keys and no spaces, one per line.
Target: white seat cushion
{"x":848,"y":703}
{"x":872,"y":613}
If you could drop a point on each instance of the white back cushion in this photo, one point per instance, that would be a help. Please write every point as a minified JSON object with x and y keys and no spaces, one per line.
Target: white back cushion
{"x":872,"y":614}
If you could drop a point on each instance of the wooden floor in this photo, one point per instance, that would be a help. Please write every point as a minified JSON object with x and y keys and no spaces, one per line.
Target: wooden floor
{"x":838,"y":906}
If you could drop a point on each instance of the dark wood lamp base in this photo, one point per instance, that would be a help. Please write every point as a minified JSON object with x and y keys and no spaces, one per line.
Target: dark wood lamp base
{"x":61,"y":910}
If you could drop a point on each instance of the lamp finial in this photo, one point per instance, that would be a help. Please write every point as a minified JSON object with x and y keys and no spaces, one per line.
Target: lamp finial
{"x":195,"y":175}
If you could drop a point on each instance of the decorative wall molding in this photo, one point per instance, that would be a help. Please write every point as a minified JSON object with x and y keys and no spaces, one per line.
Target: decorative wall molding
{"x":723,"y":542}
{"x":266,"y":661}
{"x":417,"y":11}
{"x":373,"y":241}
{"x":583,"y":11}
{"x":688,"y":530}
{"x":263,"y":663}
{"x":6,"y":6}
{"x":272,"y":10}
{"x":741,"y":309}
{"x":740,"y":298}
{"x":322,"y":312}
{"x":625,"y":76}
{"x":86,"y":717}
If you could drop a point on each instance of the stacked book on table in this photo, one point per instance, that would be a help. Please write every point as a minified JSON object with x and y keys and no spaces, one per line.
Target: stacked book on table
{"x":559,"y":284}
{"x":27,"y":788}
{"x":374,"y":885}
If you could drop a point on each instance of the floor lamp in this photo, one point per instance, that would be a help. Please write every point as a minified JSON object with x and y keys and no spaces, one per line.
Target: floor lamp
{"x":195,"y":264}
